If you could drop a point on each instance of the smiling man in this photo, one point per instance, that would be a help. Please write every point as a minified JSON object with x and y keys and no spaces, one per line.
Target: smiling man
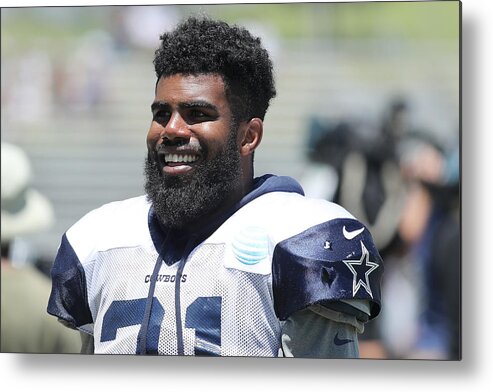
{"x":212,"y":260}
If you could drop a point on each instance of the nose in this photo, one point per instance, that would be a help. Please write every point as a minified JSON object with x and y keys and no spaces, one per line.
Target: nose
{"x":176,"y":131}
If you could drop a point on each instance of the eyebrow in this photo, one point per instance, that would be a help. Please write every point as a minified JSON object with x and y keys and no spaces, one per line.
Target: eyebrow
{"x":158,"y":105}
{"x":185,"y":105}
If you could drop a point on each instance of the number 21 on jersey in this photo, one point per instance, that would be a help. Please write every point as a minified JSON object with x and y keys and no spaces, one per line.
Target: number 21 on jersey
{"x":203,"y":315}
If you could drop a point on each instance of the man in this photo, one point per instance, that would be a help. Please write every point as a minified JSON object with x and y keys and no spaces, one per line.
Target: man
{"x":25,"y":326}
{"x":213,"y":261}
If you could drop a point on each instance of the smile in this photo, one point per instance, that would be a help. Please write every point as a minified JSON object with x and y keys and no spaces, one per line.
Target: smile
{"x":175,"y":163}
{"x":180,"y":158}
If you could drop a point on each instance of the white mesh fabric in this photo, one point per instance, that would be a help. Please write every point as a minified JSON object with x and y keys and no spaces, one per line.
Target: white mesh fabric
{"x":241,"y":304}
{"x":118,"y":275}
{"x":249,"y":326}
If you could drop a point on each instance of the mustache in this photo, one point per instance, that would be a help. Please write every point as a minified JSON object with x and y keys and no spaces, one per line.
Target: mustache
{"x":193,"y":145}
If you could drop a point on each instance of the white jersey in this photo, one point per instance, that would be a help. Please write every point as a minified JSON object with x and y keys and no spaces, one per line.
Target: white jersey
{"x":225,"y":295}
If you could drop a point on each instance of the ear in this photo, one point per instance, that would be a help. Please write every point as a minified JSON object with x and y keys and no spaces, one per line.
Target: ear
{"x":251,"y":136}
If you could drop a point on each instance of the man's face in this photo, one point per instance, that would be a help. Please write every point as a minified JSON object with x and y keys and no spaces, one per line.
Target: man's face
{"x":193,"y":162}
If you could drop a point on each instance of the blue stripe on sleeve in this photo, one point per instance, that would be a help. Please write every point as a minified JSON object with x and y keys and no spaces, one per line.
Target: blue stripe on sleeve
{"x":68,"y":299}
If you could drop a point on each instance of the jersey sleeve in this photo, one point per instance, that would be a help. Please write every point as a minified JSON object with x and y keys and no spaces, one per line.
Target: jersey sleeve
{"x":307,"y":334}
{"x":74,"y":296}
{"x":68,"y":298}
{"x":334,"y":264}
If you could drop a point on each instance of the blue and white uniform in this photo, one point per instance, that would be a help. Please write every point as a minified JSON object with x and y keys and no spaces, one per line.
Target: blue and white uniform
{"x":276,"y":264}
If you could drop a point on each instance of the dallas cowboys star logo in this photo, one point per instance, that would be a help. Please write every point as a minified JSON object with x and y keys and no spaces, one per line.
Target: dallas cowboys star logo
{"x":361,"y":268}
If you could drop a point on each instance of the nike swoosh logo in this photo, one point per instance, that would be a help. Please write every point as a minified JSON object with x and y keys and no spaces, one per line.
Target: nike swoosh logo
{"x":349,"y":235}
{"x":340,"y":342}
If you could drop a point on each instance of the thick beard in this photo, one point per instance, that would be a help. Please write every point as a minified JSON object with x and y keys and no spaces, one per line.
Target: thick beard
{"x":179,"y":201}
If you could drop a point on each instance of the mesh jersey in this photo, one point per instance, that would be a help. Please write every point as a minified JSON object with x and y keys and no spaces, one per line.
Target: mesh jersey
{"x":228,"y":295}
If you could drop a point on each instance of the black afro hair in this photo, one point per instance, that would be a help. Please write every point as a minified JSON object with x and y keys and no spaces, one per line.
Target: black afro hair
{"x":202,"y":45}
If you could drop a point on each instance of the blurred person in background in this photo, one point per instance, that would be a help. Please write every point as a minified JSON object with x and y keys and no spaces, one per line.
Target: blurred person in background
{"x":430,"y":230}
{"x":25,"y":326}
{"x":405,"y":187}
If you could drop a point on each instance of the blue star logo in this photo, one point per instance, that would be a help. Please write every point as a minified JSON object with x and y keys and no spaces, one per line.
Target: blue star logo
{"x":361,"y":270}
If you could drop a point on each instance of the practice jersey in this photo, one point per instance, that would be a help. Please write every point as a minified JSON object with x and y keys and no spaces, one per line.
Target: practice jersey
{"x":228,"y":294}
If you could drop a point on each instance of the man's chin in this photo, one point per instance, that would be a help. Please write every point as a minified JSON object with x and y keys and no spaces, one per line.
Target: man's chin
{"x":177,"y":182}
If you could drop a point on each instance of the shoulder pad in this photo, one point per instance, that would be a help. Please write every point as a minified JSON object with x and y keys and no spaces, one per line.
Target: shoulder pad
{"x":67,"y":299}
{"x":332,"y":261}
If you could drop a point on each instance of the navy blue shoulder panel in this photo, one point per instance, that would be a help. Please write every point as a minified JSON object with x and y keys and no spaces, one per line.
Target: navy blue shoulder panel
{"x":68,"y":298}
{"x":331,"y":261}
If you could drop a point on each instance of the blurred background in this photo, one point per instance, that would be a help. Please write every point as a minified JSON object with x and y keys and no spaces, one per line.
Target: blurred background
{"x":367,"y":114}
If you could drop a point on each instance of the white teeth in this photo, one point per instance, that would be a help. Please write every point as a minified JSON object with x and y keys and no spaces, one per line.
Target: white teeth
{"x":175,"y":158}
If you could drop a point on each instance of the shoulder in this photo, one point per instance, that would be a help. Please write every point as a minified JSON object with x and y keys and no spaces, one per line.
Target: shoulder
{"x":118,"y":224}
{"x":115,"y":210}
{"x":322,"y":254}
{"x":123,"y":223}
{"x":285,"y":214}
